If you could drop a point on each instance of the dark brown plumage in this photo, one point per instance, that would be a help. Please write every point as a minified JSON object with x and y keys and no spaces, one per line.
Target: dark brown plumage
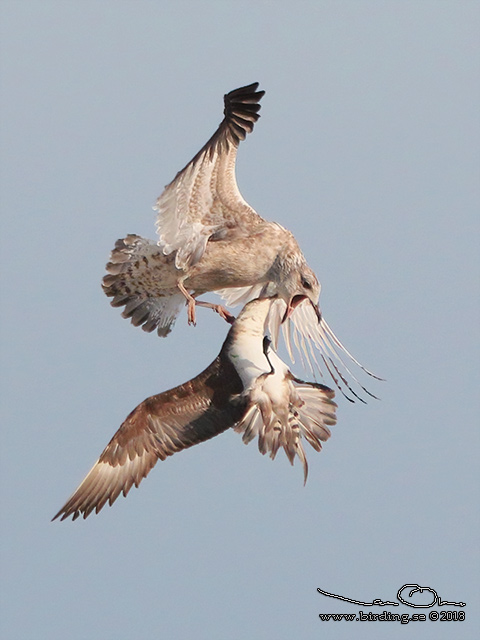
{"x":246,"y":387}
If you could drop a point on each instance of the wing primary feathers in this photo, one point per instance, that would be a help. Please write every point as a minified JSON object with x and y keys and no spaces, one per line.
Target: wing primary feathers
{"x":241,"y":110}
{"x":159,"y":427}
{"x":310,"y":335}
{"x":340,"y":345}
{"x":240,"y":114}
{"x":330,"y":348}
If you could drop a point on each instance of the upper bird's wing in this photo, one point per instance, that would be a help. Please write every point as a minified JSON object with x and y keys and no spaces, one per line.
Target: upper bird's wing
{"x":203,"y":200}
{"x":159,"y":427}
{"x":319,"y":348}
{"x":313,"y":338}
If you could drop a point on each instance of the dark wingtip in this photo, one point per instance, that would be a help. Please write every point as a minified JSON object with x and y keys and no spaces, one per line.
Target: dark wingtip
{"x":240,"y":114}
{"x":60,"y":513}
{"x":247,"y":94}
{"x":241,"y":110}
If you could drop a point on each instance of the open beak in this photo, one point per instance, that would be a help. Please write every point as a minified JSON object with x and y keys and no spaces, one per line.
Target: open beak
{"x":293,"y":304}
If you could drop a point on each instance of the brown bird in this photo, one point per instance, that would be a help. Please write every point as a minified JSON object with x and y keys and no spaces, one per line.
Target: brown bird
{"x":246,"y":387}
{"x":210,"y":239}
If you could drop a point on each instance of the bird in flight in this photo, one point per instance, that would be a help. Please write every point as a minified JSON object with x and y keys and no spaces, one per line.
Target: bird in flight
{"x":247,"y":388}
{"x":210,"y":239}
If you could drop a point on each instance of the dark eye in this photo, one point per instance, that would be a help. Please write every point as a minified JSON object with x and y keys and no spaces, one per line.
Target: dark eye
{"x":306,"y":284}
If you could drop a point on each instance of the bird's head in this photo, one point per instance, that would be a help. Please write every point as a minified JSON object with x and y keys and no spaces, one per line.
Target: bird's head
{"x":299,"y":285}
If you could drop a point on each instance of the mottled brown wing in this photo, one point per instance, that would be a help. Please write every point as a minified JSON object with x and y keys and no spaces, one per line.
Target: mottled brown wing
{"x":159,"y":427}
{"x":203,"y":200}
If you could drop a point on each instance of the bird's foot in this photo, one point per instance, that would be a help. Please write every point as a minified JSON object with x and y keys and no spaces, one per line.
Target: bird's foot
{"x":222,"y":312}
{"x":192,"y":319}
{"x":191,"y":302}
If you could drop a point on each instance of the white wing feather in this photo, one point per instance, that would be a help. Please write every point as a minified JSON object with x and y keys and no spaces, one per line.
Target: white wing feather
{"x":314,"y":340}
{"x":204,"y":198}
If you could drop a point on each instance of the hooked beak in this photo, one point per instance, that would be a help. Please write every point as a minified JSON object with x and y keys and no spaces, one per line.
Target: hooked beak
{"x":293,"y":304}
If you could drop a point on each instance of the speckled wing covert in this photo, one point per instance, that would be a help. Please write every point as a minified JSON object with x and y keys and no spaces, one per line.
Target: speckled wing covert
{"x":203,"y":201}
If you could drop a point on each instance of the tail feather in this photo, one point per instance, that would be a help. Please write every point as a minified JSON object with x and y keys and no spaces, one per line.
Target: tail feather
{"x":138,"y":279}
{"x":309,"y":419}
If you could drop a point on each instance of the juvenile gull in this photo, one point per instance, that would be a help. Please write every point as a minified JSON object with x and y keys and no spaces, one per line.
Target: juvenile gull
{"x":210,"y":239}
{"x":246,"y":387}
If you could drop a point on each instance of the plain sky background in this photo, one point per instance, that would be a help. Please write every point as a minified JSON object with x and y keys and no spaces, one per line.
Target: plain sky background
{"x":368,"y":150}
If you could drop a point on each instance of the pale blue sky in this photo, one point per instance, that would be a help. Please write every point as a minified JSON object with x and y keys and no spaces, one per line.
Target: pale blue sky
{"x":368,"y":150}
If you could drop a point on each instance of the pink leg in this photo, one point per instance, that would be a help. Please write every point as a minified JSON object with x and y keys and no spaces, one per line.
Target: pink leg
{"x":191,"y":304}
{"x":222,"y":312}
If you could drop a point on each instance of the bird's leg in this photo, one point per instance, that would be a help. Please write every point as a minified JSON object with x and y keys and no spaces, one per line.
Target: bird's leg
{"x":191,"y":304}
{"x":222,"y":312}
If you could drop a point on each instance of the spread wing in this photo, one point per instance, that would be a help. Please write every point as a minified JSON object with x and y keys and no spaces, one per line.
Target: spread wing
{"x":159,"y":427}
{"x":203,"y":200}
{"x":319,"y":348}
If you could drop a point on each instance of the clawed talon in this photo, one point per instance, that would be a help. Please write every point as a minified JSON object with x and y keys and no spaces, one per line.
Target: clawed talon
{"x":191,"y":302}
{"x":223,"y":313}
{"x":192,"y":319}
